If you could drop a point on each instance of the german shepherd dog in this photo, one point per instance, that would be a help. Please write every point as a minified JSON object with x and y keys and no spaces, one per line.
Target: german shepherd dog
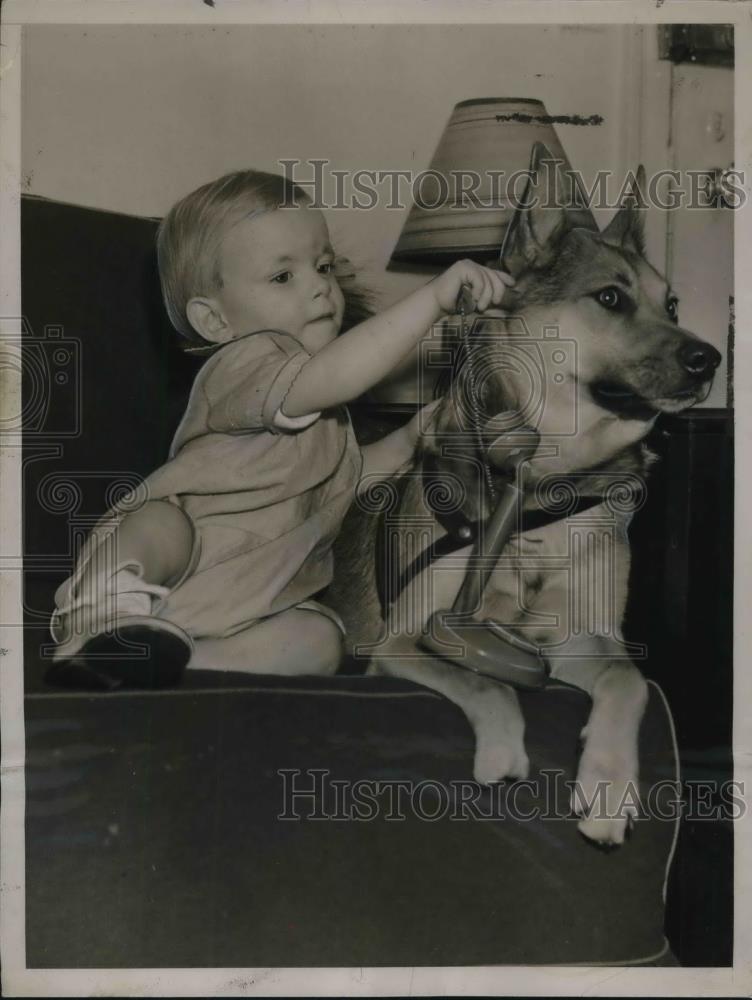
{"x":622,"y":360}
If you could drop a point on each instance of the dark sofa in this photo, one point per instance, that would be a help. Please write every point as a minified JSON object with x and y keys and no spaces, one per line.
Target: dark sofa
{"x":153,"y":836}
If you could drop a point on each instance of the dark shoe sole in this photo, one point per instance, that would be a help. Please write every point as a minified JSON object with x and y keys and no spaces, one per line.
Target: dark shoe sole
{"x":105,"y":663}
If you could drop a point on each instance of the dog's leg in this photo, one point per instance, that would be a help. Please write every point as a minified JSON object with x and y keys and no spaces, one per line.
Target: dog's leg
{"x":606,"y":794}
{"x":582,"y":607}
{"x":492,"y":709}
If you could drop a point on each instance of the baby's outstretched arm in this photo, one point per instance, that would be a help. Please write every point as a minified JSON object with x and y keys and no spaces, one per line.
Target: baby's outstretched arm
{"x":356,"y":361}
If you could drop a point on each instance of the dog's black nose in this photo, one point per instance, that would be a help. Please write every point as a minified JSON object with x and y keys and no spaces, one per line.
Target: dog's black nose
{"x":698,"y":358}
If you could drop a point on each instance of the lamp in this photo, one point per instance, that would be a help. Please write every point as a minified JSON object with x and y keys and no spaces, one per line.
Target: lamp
{"x":463,"y":208}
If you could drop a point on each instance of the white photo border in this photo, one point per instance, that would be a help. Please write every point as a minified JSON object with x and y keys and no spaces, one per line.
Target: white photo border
{"x":17,"y":980}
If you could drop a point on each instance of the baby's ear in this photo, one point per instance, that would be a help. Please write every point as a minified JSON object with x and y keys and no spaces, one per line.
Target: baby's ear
{"x":207,"y":320}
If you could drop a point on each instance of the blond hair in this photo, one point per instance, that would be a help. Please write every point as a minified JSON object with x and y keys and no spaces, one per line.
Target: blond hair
{"x":190,"y":236}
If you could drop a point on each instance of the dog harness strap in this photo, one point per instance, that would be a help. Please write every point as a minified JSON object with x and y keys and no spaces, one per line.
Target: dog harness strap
{"x":389,"y":581}
{"x":460,"y":532}
{"x":465,"y":531}
{"x":444,"y":546}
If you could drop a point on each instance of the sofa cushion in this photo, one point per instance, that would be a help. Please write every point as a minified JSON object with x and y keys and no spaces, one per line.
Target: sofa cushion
{"x":154,"y":837}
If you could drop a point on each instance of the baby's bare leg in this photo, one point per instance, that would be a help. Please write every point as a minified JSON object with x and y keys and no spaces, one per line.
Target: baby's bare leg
{"x":293,"y":642}
{"x":158,"y":537}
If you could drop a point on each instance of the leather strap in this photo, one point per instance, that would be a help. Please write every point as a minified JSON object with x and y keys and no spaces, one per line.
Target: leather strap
{"x":460,"y":532}
{"x":455,"y":522}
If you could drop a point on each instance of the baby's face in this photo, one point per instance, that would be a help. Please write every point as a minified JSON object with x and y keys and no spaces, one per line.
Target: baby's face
{"x":277,"y":270}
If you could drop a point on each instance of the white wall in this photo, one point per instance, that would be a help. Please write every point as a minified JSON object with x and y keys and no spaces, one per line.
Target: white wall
{"x":131,"y":118}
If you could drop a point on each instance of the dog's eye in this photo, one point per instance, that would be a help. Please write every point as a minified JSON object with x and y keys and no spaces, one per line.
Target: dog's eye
{"x":610,"y":298}
{"x":672,"y":308}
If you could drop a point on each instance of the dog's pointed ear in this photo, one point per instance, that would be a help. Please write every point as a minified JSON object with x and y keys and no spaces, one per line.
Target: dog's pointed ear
{"x":627,"y":228}
{"x":539,"y":219}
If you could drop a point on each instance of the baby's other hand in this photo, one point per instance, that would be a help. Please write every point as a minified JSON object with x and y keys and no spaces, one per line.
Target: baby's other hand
{"x":486,"y":286}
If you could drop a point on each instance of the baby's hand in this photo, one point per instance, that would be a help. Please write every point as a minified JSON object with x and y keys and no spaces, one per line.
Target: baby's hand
{"x":486,"y":286}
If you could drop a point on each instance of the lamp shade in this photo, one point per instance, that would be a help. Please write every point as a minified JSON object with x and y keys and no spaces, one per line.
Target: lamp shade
{"x":465,"y":201}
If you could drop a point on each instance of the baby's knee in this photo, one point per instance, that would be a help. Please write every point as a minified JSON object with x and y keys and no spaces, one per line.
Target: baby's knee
{"x":160,"y":538}
{"x":162,"y":518}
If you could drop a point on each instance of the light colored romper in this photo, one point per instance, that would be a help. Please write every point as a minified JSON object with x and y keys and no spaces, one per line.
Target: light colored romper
{"x":266,"y":494}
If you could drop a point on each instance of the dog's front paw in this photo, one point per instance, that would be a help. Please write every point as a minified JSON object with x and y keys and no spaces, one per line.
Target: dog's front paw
{"x":499,"y":756}
{"x":606,"y":796}
{"x":499,"y":761}
{"x":499,"y":736}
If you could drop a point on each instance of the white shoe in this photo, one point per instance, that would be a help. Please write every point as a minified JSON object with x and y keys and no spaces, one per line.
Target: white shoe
{"x":110,"y":638}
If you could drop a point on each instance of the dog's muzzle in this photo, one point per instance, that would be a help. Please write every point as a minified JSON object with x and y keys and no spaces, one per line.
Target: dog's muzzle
{"x":685,"y":381}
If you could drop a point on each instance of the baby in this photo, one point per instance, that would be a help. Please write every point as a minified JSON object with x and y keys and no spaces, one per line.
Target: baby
{"x":216,"y":561}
